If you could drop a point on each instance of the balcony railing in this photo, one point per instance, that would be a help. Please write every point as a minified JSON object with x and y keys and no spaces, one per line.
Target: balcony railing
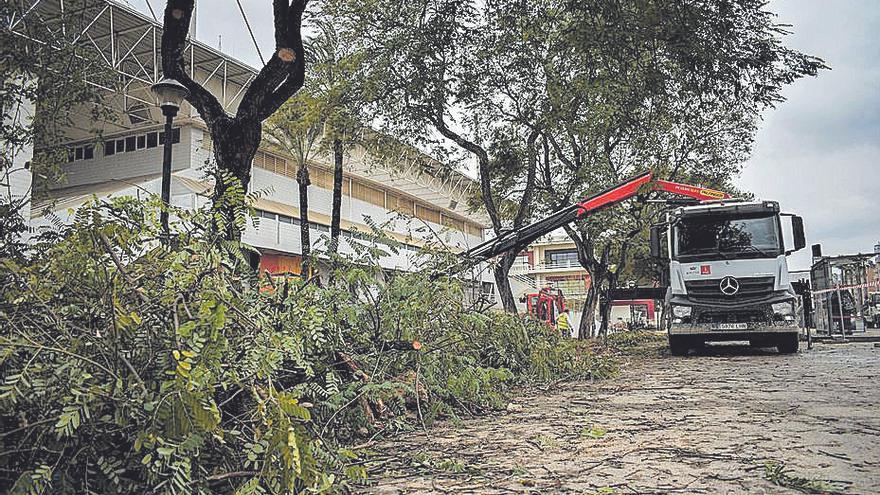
{"x":520,"y":268}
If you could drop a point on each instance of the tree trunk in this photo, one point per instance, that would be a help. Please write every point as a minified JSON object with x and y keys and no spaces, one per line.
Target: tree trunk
{"x":606,"y":307}
{"x":336,"y":214}
{"x":235,"y":144}
{"x":236,"y":139}
{"x":502,"y":281}
{"x":587,"y":327}
{"x":302,"y":179}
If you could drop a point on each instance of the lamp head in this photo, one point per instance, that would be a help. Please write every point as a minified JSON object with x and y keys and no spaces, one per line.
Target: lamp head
{"x":170,"y":94}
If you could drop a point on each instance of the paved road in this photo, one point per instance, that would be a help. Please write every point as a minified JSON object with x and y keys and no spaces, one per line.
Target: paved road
{"x":701,"y":424}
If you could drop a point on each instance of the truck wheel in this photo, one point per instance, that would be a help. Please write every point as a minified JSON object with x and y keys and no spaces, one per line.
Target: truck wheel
{"x":678,"y":345}
{"x":788,"y":344}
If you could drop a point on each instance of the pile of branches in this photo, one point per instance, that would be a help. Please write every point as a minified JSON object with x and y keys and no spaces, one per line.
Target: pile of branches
{"x":131,"y":363}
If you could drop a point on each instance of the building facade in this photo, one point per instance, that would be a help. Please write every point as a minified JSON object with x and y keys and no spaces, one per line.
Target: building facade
{"x":551,"y":261}
{"x":122,"y":156}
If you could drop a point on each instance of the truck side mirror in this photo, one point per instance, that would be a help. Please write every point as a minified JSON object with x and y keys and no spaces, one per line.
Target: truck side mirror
{"x":656,"y":251}
{"x":797,"y":231}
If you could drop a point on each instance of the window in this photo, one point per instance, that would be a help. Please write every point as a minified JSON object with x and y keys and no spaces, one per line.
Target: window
{"x":288,"y":220}
{"x":120,"y":145}
{"x":267,"y":215}
{"x":152,"y":139}
{"x":475,"y":230}
{"x":88,"y":151}
{"x":78,"y":153}
{"x":561,"y":258}
{"x":175,"y":135}
{"x":321,"y":178}
{"x":130,"y":143}
{"x":162,"y":138}
{"x":488,"y":288}
{"x":400,"y":204}
{"x":142,"y":142}
{"x":754,"y":236}
{"x":109,"y":148}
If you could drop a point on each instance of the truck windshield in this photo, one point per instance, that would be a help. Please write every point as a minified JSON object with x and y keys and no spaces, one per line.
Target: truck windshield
{"x":745,"y":237}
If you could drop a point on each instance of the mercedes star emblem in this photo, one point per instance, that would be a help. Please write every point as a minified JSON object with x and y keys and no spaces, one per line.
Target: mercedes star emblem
{"x":729,"y":286}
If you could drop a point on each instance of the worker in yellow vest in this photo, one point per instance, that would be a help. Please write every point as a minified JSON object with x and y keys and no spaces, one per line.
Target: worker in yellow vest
{"x":562,"y":323}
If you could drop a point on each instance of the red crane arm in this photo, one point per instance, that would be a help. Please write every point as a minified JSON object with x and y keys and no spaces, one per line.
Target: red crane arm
{"x":522,"y":237}
{"x":700,"y":193}
{"x":632,"y":187}
{"x":616,"y":194}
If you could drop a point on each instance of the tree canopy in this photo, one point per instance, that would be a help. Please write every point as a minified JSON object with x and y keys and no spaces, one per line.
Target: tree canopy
{"x":585,"y":91}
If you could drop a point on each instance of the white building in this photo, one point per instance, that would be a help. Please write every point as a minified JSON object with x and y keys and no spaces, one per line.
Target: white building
{"x":123,"y":156}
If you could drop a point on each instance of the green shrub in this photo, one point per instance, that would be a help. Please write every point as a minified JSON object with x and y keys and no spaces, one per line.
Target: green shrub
{"x":131,"y":367}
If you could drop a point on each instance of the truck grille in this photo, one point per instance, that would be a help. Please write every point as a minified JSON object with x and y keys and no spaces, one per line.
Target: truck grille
{"x":706,"y":317}
{"x":709,"y":290}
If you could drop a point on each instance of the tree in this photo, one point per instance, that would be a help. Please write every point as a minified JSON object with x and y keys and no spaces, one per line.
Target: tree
{"x":336,"y":77}
{"x":679,"y":89}
{"x":236,"y":138}
{"x":296,"y":128}
{"x":322,"y":119}
{"x":46,"y":70}
{"x":441,"y":76}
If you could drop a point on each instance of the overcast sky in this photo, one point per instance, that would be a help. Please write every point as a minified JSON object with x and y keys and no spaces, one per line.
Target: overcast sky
{"x":818,"y":153}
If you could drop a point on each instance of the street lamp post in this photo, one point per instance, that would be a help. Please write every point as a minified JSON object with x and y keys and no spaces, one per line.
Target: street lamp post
{"x":170,"y":94}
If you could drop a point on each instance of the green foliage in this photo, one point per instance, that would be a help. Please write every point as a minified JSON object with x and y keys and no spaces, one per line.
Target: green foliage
{"x":777,"y":473}
{"x":593,"y":432}
{"x":130,"y":366}
{"x":631,"y":340}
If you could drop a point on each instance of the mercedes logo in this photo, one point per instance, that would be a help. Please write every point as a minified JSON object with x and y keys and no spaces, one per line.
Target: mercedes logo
{"x":729,"y":286}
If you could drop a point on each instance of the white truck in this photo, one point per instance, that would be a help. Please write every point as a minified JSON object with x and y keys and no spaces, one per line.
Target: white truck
{"x":728,"y":276}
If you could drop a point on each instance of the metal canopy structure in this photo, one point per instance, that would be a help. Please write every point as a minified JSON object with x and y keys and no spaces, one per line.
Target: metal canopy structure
{"x":129,"y":43}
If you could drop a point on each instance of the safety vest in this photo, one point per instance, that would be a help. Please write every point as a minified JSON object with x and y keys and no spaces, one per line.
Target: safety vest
{"x":562,"y":322}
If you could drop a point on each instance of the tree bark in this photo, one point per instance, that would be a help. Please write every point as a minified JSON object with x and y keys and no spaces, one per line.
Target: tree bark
{"x":336,"y":214}
{"x":302,"y":180}
{"x":505,"y":261}
{"x":587,"y":326}
{"x":597,"y":268}
{"x":235,"y":143}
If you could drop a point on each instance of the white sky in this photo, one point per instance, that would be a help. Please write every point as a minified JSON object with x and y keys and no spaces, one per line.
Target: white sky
{"x":818,"y":153}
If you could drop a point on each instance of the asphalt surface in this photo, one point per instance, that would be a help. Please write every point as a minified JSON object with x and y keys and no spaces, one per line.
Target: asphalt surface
{"x":729,"y":420}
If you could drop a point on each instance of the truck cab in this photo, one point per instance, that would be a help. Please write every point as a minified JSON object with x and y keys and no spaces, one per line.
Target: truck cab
{"x":727,"y":275}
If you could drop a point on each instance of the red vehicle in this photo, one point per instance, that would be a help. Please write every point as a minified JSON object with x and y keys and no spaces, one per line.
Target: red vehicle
{"x":545,"y":305}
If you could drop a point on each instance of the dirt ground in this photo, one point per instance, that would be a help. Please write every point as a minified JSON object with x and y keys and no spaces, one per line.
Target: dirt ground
{"x":707,"y":423}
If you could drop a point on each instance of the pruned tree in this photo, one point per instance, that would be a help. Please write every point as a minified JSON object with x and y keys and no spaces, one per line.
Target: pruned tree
{"x":296,"y":128}
{"x":445,"y":75}
{"x":237,"y":137}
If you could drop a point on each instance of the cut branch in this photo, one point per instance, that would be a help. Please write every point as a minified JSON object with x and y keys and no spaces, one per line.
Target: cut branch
{"x":178,"y":14}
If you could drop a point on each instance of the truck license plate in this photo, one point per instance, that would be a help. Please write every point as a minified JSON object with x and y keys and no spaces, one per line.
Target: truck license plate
{"x":730,"y":326}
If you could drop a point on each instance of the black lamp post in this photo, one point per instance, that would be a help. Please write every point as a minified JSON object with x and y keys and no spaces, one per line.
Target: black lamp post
{"x":170,"y":93}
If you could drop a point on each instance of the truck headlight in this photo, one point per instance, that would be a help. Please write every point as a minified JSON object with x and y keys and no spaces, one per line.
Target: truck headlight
{"x":783,"y":308}
{"x":681,"y":311}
